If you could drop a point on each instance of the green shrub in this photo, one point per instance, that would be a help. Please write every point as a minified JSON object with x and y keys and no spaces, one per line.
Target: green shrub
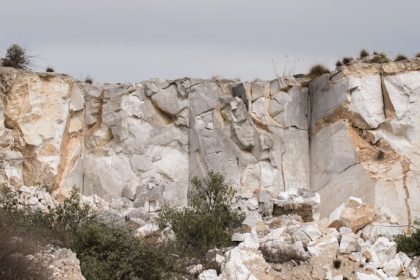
{"x":72,"y":215}
{"x":105,"y":251}
{"x":337,"y":263}
{"x":108,"y":252}
{"x":209,"y":220}
{"x":89,"y":80}
{"x":318,"y":70}
{"x":347,"y":60}
{"x":400,"y":57}
{"x":409,"y":244}
{"x":379,"y":58}
{"x":363,"y":53}
{"x":16,"y":57}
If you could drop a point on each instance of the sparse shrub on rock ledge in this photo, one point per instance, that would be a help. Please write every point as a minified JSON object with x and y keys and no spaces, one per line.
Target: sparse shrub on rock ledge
{"x":379,"y":58}
{"x":16,"y":57}
{"x":89,"y":80}
{"x":400,"y":57}
{"x":418,"y":55}
{"x":338,"y":63}
{"x":208,"y":222}
{"x":318,"y":70}
{"x":363,"y":53}
{"x":347,"y":60}
{"x":49,"y":69}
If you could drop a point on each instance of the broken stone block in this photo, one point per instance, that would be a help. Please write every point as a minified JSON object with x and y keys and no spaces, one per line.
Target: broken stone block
{"x":354,"y":214}
{"x":300,"y":202}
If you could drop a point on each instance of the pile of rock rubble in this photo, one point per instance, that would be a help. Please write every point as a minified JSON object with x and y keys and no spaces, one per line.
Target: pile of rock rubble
{"x":355,"y":242}
{"x":285,"y":240}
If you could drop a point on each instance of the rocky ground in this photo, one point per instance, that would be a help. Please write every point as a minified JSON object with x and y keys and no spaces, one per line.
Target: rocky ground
{"x":62,"y":263}
{"x":287,"y":241}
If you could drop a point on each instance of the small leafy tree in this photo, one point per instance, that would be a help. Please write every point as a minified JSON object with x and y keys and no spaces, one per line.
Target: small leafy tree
{"x":16,"y":57}
{"x":209,"y":220}
{"x":72,"y":215}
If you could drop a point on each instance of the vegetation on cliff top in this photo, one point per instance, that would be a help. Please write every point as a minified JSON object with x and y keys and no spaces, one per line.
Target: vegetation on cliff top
{"x":363,"y":53}
{"x":318,"y":70}
{"x":16,"y":57}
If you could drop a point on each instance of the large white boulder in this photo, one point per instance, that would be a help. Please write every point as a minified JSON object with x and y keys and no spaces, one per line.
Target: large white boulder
{"x":246,"y":264}
{"x":385,"y":249}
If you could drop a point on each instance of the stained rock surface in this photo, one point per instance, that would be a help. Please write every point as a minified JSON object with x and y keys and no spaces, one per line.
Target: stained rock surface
{"x":144,"y":141}
{"x":354,"y":132}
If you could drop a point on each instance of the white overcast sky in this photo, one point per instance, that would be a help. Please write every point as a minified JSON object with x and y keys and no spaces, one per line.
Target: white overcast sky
{"x":133,"y":40}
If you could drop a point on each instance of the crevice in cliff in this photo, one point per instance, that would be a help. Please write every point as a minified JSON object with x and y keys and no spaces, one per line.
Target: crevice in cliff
{"x":259,"y":124}
{"x":406,"y":168}
{"x":341,"y":113}
{"x":388,"y":107}
{"x":69,"y":141}
{"x":98,"y":122}
{"x":282,"y":164}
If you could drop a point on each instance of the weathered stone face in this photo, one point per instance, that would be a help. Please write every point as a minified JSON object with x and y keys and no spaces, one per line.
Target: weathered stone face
{"x":352,"y":133}
{"x":145,"y":141}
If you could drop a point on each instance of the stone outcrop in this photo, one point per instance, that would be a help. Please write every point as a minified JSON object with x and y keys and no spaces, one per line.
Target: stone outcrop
{"x":353,"y":132}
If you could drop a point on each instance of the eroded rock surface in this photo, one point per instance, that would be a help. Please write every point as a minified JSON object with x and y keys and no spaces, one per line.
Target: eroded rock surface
{"x":354,"y":132}
{"x":145,"y":141}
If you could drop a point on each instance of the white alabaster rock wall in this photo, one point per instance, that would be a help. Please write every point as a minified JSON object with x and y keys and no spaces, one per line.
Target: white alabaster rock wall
{"x":354,"y":132}
{"x":145,"y":141}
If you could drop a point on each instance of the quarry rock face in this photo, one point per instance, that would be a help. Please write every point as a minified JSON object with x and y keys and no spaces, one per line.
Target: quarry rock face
{"x":364,"y":137}
{"x":145,"y":141}
{"x":354,"y":132}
